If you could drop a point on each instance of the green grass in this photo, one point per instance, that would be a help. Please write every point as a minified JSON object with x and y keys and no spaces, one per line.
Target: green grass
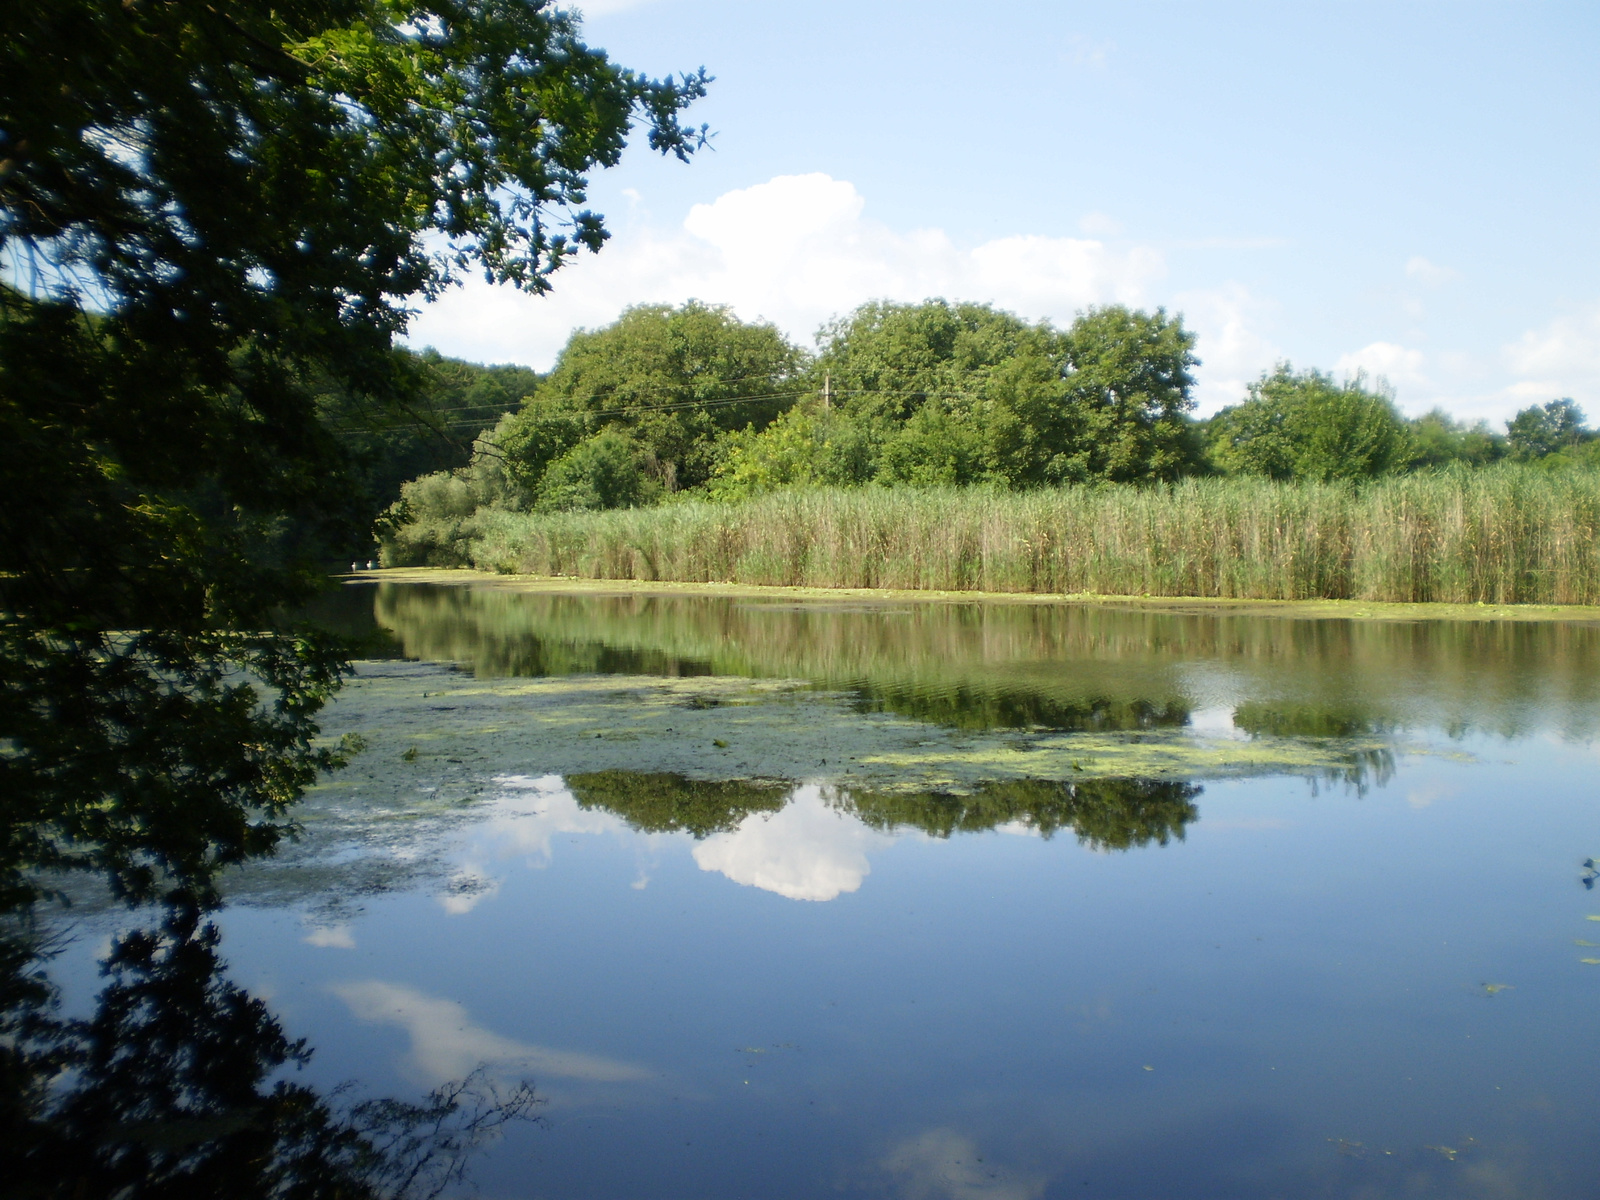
{"x":1502,"y":535}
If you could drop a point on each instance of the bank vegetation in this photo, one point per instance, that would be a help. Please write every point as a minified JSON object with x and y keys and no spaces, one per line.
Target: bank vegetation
{"x":1504,"y":534}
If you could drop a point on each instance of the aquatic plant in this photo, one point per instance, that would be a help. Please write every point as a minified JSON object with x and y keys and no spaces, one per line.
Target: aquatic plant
{"x":1507,"y":534}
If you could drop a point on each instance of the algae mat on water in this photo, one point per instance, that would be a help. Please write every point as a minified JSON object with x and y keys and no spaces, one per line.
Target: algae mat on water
{"x":436,"y":727}
{"x":441,"y":744}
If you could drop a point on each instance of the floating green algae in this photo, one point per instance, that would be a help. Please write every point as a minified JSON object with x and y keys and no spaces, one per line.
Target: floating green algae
{"x":468,"y":730}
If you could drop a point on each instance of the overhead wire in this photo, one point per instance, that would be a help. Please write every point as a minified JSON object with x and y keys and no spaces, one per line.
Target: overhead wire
{"x":674,"y":406}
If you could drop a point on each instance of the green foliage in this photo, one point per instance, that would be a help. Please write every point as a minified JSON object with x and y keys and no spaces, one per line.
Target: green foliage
{"x":805,"y":447}
{"x":432,"y":521}
{"x":1583,"y":456}
{"x":1129,"y":383}
{"x":1438,"y":439}
{"x":962,"y":393}
{"x":599,"y":472}
{"x":671,"y":381}
{"x":212,"y":219}
{"x":524,"y":443}
{"x":1505,"y":534}
{"x":430,"y":426}
{"x":889,"y":360}
{"x":1537,"y":432}
{"x":1106,"y":814}
{"x":660,"y":802}
{"x":1302,"y":425}
{"x":943,"y":443}
{"x":937,"y":394}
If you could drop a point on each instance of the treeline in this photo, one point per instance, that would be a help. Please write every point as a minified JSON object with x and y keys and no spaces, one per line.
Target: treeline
{"x":427,"y":421}
{"x":945,"y":445}
{"x":692,"y":402}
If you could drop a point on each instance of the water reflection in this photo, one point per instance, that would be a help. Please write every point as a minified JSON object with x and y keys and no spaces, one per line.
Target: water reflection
{"x":942,"y":1164}
{"x":447,"y":1044}
{"x":662,"y":802}
{"x":975,"y":708}
{"x":1059,"y":666}
{"x":811,"y":850}
{"x":810,"y":842}
{"x":180,"y":1084}
{"x":1106,"y":814}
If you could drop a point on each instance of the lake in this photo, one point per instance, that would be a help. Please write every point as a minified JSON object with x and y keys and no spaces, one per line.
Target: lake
{"x":934,"y":899}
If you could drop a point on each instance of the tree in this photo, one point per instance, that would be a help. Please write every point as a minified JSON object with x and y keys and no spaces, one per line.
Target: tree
{"x":951,"y":394}
{"x":808,"y":446}
{"x":1537,"y":432}
{"x":1438,"y":439}
{"x":672,"y":380}
{"x":432,"y":430}
{"x":211,"y":217}
{"x":601,"y":471}
{"x":1124,"y":415}
{"x":888,"y":360}
{"x":1302,"y":425}
{"x":204,"y":210}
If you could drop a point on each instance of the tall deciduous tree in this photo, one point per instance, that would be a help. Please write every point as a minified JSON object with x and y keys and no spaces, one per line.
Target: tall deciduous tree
{"x":203,"y":210}
{"x":947,"y":394}
{"x":1537,"y":432}
{"x":669,"y":381}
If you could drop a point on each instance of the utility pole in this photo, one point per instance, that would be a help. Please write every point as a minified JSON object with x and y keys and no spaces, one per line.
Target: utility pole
{"x":827,"y":391}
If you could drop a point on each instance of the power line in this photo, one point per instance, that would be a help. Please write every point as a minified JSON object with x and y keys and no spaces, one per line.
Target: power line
{"x":679,"y":406}
{"x":829,"y":394}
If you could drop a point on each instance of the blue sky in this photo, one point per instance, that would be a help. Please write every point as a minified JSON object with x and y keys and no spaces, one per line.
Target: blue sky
{"x":1412,"y":189}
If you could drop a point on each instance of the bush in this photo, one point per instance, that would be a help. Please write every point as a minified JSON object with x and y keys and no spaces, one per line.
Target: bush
{"x":1302,"y":425}
{"x":600,"y":472}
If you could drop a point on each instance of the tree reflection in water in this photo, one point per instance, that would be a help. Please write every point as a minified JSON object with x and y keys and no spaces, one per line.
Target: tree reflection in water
{"x":995,"y":707}
{"x":176,"y":1087}
{"x":1106,"y":814}
{"x":662,"y":802}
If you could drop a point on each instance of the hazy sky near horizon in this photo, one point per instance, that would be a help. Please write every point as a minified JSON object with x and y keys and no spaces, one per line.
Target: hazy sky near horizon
{"x":1406,"y":188}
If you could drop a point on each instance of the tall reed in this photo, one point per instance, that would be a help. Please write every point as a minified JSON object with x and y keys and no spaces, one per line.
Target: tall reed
{"x":1508,"y":534}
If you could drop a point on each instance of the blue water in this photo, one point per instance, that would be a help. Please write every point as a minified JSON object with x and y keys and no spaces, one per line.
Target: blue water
{"x":1313,"y":990}
{"x":1291,"y":1001}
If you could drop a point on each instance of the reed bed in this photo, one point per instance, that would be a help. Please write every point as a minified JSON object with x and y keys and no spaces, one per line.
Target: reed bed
{"x":1502,"y":535}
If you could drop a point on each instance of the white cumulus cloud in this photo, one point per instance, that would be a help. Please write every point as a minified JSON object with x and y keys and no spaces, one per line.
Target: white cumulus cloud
{"x":796,"y":250}
{"x":1399,"y":365}
{"x":1232,"y":349}
{"x":1562,"y":359}
{"x":807,"y":851}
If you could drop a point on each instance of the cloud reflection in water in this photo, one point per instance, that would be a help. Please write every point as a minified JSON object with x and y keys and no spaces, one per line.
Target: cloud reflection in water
{"x":942,"y":1164}
{"x":446,"y":1044}
{"x":808,"y":851}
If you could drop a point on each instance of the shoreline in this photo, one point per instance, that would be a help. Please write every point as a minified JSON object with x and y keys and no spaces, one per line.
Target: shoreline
{"x":1368,"y":610}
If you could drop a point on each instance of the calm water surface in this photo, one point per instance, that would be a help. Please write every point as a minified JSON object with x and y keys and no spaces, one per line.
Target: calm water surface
{"x":1347,"y":950}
